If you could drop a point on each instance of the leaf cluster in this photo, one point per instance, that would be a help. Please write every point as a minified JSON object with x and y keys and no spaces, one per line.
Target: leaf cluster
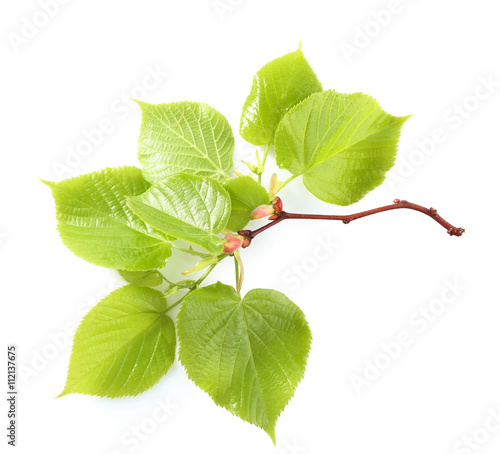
{"x":248,"y":353}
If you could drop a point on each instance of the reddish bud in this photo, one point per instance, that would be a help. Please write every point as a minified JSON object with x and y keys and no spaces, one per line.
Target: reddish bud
{"x":232,"y":243}
{"x":262,"y":211}
{"x":277,"y":205}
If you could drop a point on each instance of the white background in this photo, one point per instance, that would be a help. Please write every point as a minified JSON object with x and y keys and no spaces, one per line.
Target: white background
{"x":429,"y":59}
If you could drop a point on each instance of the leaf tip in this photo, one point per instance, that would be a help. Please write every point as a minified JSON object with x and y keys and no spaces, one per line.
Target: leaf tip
{"x":50,"y":184}
{"x":405,"y":118}
{"x":142,"y":104}
{"x":63,"y":393}
{"x":272,"y":434}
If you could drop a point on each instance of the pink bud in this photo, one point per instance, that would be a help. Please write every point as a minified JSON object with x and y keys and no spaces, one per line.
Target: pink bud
{"x":232,"y":243}
{"x":262,"y":211}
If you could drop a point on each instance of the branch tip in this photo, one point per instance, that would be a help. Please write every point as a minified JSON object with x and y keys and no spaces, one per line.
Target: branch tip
{"x":281,"y":215}
{"x":456,"y":231}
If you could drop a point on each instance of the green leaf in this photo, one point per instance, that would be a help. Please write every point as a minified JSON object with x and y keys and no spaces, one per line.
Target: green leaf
{"x":150,"y":278}
{"x":246,"y":194}
{"x":123,"y":346}
{"x":342,"y":144}
{"x":276,"y":87}
{"x":189,"y":137}
{"x":248,"y":355}
{"x":188,"y":207}
{"x":96,"y":224}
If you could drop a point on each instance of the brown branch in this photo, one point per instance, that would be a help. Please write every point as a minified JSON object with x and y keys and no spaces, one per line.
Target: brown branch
{"x":398,"y":204}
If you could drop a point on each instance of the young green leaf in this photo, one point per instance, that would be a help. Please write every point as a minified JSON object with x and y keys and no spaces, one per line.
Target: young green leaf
{"x":246,"y":194}
{"x":188,"y":207}
{"x":276,"y":87}
{"x":123,"y":346}
{"x":150,"y":278}
{"x":248,"y":355}
{"x":96,"y":224}
{"x":342,"y":144}
{"x":186,"y":137}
